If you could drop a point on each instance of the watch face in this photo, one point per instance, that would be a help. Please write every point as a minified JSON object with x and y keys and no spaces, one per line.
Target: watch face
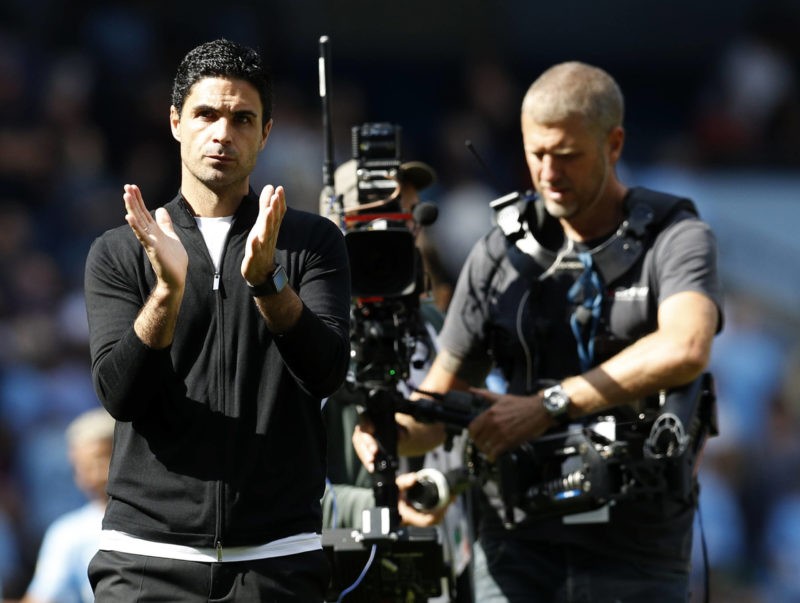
{"x":555,"y":401}
{"x":274,"y":284}
{"x":279,"y":279}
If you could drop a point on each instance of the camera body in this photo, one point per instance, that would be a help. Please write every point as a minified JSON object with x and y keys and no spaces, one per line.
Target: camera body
{"x":380,"y":246}
{"x":385,"y":264}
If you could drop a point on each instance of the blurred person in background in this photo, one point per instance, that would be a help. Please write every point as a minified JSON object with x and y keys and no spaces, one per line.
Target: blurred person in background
{"x":72,"y":540}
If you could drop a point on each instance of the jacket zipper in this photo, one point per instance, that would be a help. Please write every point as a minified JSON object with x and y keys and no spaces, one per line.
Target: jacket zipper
{"x":215,"y":287}
{"x":220,"y":368}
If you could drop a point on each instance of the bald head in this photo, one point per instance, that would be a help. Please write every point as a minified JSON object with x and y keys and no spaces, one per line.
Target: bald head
{"x":574,"y":88}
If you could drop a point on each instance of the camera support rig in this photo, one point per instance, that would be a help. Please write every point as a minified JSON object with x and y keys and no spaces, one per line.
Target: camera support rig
{"x":641,"y":451}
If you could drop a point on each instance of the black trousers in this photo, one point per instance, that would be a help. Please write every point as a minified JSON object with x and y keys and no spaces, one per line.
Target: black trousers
{"x":117,"y":577}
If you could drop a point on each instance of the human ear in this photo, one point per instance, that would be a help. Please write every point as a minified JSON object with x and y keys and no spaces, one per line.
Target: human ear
{"x":616,"y":140}
{"x":265,"y":134}
{"x":174,"y":122}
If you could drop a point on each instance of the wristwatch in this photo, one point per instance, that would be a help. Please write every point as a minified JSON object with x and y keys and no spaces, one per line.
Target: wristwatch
{"x":273,"y":285}
{"x":556,"y":402}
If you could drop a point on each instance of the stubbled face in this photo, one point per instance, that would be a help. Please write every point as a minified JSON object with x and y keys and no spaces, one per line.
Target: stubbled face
{"x":569,"y":165}
{"x":220,"y":133}
{"x":90,"y":462}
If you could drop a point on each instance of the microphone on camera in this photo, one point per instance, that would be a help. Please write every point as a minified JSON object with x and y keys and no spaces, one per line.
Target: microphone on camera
{"x":434,"y":489}
{"x":425,"y":213}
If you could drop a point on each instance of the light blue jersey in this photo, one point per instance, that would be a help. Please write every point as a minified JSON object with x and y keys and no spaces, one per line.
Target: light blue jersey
{"x":68,"y":545}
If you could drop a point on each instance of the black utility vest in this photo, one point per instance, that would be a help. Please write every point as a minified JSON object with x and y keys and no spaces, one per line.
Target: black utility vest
{"x":535,"y":342}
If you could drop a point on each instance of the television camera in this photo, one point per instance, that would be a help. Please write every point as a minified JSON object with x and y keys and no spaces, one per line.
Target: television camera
{"x":386,"y":561}
{"x":386,"y":331}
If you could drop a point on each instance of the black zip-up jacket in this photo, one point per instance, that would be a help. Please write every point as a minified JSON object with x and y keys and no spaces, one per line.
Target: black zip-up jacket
{"x":219,"y":438}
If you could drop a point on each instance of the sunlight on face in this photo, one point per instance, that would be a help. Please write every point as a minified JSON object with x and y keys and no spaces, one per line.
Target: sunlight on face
{"x":567,"y":162}
{"x":220,"y":133}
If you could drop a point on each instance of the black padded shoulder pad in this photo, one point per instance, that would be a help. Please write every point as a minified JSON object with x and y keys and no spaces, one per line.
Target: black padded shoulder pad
{"x":660,"y":207}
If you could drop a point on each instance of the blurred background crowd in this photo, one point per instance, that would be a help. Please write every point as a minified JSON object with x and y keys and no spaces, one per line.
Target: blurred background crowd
{"x":713,"y":94}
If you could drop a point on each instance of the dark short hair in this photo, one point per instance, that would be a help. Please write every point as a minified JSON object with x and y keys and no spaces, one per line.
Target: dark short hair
{"x":223,"y":58}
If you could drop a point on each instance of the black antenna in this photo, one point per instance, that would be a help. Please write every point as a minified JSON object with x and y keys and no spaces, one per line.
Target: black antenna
{"x":324,"y":95}
{"x":329,"y":204}
{"x":471,"y":148}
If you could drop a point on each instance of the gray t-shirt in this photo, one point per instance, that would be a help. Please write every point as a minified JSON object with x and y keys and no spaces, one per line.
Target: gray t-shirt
{"x":499,"y":317}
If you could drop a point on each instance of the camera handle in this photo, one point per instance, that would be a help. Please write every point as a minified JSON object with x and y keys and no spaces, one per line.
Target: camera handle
{"x":385,"y":518}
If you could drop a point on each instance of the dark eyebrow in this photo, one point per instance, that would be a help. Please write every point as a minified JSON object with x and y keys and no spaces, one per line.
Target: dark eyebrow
{"x":203,"y":108}
{"x":245,"y":113}
{"x":197,"y":109}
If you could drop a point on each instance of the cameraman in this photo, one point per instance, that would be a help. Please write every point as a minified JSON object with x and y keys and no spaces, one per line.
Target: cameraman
{"x":350,"y":491}
{"x":607,"y":315}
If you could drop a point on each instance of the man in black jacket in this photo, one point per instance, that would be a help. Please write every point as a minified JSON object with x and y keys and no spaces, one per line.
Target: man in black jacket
{"x":218,"y":323}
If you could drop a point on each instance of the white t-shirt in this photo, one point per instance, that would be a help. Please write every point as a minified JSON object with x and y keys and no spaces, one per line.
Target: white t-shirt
{"x":215,"y":231}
